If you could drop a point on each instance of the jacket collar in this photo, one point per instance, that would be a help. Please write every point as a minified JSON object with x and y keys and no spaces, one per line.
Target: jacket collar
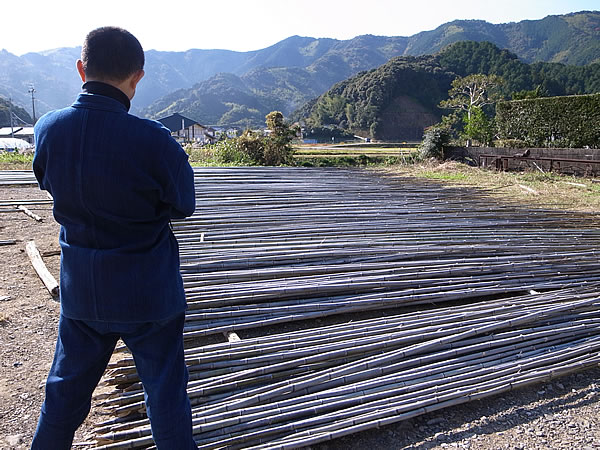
{"x":106,"y":90}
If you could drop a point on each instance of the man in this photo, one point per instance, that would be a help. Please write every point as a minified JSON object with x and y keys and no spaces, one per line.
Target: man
{"x":116,"y":180}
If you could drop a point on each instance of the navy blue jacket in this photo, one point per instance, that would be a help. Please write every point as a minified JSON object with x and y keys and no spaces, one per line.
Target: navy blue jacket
{"x":116,"y":180}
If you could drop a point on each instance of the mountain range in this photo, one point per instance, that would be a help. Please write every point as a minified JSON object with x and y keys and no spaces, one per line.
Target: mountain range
{"x":228,"y":87}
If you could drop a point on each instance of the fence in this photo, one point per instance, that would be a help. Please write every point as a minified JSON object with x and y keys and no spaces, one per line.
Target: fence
{"x":575,"y":161}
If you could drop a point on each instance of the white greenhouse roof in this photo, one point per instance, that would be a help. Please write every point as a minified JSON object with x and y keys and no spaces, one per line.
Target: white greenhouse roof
{"x":12,"y":143}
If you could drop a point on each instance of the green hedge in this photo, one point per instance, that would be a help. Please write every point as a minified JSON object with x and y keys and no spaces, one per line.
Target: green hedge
{"x":560,"y":122}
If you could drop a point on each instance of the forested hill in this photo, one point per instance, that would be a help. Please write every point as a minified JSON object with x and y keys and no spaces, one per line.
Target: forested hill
{"x":20,"y":116}
{"x":399,"y":99}
{"x":464,"y":58}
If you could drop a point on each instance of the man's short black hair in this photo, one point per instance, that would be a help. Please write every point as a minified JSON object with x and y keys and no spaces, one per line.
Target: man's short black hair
{"x":111,"y":53}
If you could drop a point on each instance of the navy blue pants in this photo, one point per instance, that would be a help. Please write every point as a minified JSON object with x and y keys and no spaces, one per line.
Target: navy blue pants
{"x":83,"y":349}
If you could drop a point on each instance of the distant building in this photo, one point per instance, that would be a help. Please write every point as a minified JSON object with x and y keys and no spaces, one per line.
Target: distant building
{"x":188,"y":131}
{"x":24,"y":133}
{"x":227,"y":132}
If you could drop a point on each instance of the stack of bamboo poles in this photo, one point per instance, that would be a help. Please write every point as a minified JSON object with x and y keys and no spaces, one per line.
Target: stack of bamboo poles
{"x":13,"y":177}
{"x":426,"y":296}
{"x":21,"y":202}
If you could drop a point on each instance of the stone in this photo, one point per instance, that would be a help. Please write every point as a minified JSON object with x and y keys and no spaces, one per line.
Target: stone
{"x":435,"y":421}
{"x":14,"y":439}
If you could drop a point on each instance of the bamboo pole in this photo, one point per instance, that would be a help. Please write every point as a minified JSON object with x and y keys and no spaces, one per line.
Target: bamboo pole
{"x":29,"y":213}
{"x":41,"y":269}
{"x":425,"y":297}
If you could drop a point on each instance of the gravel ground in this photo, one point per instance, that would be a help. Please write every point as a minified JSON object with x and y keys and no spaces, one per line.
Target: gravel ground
{"x":562,"y":414}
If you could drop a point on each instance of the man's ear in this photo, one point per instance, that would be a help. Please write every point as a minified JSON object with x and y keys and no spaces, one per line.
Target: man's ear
{"x":80,"y":70}
{"x":135,"y":79}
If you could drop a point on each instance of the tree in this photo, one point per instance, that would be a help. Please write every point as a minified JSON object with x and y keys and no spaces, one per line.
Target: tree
{"x":470,"y":94}
{"x":330,"y":110}
{"x":278,"y":145}
{"x":473,"y":91}
{"x":277,"y":125}
{"x":479,"y":127}
{"x":538,"y":92}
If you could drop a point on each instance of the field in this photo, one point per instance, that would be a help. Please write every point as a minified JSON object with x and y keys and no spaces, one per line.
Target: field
{"x":354,"y":154}
{"x":546,"y":190}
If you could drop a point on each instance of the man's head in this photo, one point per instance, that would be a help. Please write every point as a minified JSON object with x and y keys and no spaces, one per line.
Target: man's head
{"x":112,"y":55}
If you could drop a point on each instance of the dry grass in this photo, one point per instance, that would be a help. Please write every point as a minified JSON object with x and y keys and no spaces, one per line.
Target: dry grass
{"x":546,"y":190}
{"x":15,"y":166}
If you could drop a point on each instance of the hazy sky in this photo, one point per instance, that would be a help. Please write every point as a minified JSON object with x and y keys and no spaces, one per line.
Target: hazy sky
{"x":243,"y":25}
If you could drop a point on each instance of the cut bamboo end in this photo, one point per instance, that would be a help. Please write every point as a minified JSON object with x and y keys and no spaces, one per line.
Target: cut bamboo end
{"x":232,"y":337}
{"x":29,"y":213}
{"x":41,"y":269}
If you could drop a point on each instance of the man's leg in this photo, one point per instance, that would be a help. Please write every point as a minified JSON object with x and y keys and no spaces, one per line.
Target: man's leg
{"x":158,"y":352}
{"x":80,"y":359}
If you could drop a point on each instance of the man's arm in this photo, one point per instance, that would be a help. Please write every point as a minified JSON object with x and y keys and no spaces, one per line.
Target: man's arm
{"x":39,"y":160}
{"x":184,"y":202}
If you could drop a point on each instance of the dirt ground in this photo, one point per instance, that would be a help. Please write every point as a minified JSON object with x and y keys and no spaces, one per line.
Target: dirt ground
{"x":28,"y":319}
{"x":562,"y":414}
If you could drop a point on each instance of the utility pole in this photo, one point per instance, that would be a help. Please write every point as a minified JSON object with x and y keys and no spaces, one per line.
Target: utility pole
{"x":31,"y":91}
{"x":10,"y":113}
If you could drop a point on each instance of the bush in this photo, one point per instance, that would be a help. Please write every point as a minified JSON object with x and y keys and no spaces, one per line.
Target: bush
{"x":229,"y":152}
{"x":276,"y":154}
{"x":571,"y":121}
{"x":250,"y":148}
{"x":253,"y":146}
{"x":434,"y":140}
{"x":510,"y":143}
{"x":225,"y":152}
